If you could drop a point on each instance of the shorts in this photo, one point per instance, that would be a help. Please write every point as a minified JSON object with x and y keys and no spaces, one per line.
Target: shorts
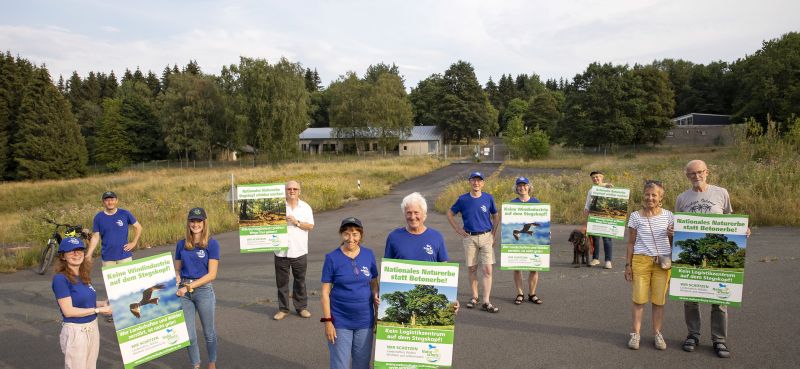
{"x":116,"y":262}
{"x":649,"y":281}
{"x":479,"y":248}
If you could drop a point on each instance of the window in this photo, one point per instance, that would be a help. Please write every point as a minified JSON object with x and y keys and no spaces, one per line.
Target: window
{"x":670,"y":134}
{"x":374,"y":146}
{"x":405,"y":147}
{"x":702,"y":133}
{"x":303,"y":147}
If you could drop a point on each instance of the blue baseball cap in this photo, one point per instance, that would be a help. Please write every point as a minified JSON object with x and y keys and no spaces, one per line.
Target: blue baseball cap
{"x":70,"y":243}
{"x":522,"y":180}
{"x":197,"y":214}
{"x":109,"y":194}
{"x":476,"y":174}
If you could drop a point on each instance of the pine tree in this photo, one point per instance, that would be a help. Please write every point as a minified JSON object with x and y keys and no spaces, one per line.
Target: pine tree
{"x":192,"y":68}
{"x":112,"y":147}
{"x":48,"y":144}
{"x":7,"y":76}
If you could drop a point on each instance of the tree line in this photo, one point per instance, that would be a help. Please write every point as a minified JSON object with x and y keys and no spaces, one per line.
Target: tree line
{"x":54,"y":130}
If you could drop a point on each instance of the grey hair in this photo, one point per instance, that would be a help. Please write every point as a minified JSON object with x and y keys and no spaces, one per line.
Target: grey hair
{"x":527,"y":184}
{"x":414,"y":198}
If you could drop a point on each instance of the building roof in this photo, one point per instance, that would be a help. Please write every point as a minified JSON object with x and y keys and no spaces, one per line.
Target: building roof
{"x":418,"y":133}
{"x":701,"y":119}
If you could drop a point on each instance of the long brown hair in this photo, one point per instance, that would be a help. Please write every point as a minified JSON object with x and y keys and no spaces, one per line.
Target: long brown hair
{"x":84,"y":270}
{"x":189,"y":242}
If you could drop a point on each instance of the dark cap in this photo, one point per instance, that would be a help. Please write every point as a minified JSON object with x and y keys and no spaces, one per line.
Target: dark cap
{"x":108,"y":195}
{"x":476,"y":174}
{"x":70,"y":243}
{"x":197,"y":214}
{"x":522,"y":180}
{"x":595,"y":172}
{"x":350,"y":221}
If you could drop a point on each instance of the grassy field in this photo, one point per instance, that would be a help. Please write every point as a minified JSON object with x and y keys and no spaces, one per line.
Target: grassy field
{"x":762,"y":175}
{"x":161,"y":198}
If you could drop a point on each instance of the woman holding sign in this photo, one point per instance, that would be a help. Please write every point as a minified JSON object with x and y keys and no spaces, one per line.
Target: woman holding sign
{"x":349,"y":298}
{"x":196,"y":263}
{"x":648,"y":244}
{"x":522,"y":188}
{"x":77,"y":300}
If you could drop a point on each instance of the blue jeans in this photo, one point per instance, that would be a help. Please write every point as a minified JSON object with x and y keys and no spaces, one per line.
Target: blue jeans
{"x":351,"y":343}
{"x":607,"y":244}
{"x":204,"y":302}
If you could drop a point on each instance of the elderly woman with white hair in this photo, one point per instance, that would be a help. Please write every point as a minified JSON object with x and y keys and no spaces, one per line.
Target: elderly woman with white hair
{"x":415,"y":241}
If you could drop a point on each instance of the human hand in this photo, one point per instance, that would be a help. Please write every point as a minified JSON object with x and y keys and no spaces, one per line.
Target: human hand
{"x":456,"y":306}
{"x":330,"y":332}
{"x":105,"y":310}
{"x":585,"y":212}
{"x":628,"y":273}
{"x":748,"y":232}
{"x":129,"y":246}
{"x":182,"y":291}
{"x":671,"y":230}
{"x":290,"y":219}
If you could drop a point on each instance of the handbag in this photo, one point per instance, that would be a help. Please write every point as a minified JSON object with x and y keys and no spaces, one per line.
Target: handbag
{"x":663,"y":260}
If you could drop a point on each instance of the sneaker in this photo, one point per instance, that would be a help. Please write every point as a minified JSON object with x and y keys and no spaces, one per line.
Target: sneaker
{"x":633,"y":343}
{"x":608,"y":265}
{"x":304,"y":313}
{"x":722,"y":350}
{"x":594,"y":262}
{"x":659,"y":342}
{"x":280,"y":315}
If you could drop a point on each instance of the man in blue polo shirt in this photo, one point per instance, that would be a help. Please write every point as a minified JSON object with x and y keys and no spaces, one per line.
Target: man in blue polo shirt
{"x":111,"y":226}
{"x":415,"y":241}
{"x":480,"y":217}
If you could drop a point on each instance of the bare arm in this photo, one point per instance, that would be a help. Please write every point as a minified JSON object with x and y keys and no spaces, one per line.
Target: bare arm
{"x":629,"y":254}
{"x":325,"y":299}
{"x":495,"y":223}
{"x":452,"y":219}
{"x":93,"y":244}
{"x":213,"y":264}
{"x":137,"y":232}
{"x":70,"y":311}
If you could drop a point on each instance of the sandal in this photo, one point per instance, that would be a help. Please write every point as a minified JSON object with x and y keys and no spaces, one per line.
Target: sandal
{"x":472,"y":302}
{"x":490,"y":308}
{"x":690,"y":343}
{"x":535,"y":299}
{"x":520,"y":298}
{"x":721,"y":350}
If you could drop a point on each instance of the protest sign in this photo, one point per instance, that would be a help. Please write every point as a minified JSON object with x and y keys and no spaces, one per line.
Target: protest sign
{"x":262,"y":217}
{"x":147,"y":314}
{"x":708,"y":253}
{"x":608,"y":210}
{"x":525,"y":236}
{"x":416,"y":317}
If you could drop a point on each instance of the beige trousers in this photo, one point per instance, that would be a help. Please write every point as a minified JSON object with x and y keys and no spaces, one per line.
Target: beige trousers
{"x":80,"y":344}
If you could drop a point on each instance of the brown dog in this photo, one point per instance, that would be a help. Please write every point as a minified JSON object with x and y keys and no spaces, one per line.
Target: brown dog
{"x":581,"y":248}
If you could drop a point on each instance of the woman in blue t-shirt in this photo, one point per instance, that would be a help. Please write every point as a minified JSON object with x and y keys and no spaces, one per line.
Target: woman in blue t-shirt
{"x":349,"y":298}
{"x":196,"y":263}
{"x":77,"y":300}
{"x":522,"y":188}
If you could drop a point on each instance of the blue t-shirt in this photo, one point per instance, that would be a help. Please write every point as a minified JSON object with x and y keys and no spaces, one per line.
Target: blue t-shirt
{"x":83,"y":296}
{"x":113,"y":233}
{"x":194,"y":263}
{"x":351,"y":297}
{"x":475,"y":211}
{"x":531,"y":200}
{"x":428,"y":246}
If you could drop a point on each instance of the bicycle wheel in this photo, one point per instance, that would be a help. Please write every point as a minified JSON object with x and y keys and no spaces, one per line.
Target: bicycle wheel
{"x":48,"y":253}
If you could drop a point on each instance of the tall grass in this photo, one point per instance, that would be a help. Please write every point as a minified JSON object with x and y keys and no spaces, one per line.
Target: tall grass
{"x":161,"y":198}
{"x":761,"y":175}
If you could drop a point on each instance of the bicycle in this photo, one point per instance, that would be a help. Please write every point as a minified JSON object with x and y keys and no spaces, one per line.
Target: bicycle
{"x":51,"y":248}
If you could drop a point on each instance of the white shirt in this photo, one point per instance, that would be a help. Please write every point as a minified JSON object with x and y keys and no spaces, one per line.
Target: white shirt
{"x":651,"y":233}
{"x":298,"y":238}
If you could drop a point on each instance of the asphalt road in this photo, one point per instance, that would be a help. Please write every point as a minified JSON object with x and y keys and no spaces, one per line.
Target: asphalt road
{"x":583,"y":322}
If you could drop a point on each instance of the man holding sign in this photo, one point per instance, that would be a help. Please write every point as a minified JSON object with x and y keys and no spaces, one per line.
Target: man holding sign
{"x":708,"y":199}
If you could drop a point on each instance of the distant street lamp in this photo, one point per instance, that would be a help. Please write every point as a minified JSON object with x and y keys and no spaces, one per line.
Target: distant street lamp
{"x":479,"y":134}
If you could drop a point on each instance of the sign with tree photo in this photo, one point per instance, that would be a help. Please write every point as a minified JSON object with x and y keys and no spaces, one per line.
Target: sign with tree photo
{"x":608,"y":211}
{"x":262,"y":217}
{"x":416,"y":316}
{"x":708,"y":253}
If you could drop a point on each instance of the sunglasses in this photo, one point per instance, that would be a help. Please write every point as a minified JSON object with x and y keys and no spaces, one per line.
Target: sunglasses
{"x":654,"y":182}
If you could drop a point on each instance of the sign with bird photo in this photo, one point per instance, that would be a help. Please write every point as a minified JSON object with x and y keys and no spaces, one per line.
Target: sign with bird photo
{"x":416,"y":316}
{"x":708,"y":252}
{"x":147,"y":314}
{"x":525,"y":237}
{"x":608,"y":211}
{"x":262,"y":217}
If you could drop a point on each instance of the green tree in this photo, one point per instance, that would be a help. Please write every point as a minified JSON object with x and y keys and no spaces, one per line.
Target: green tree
{"x":349,"y":109}
{"x":140,"y":122}
{"x":112,"y":146}
{"x":390,"y":111}
{"x":189,"y":108}
{"x":650,"y":103}
{"x":462,"y":110}
{"x":48,"y":143}
{"x":713,"y":250}
{"x":515,"y":108}
{"x":425,"y":100}
{"x":544,"y":111}
{"x":422,"y":305}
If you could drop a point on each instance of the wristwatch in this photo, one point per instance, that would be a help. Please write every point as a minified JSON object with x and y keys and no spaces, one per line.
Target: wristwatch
{"x":96,"y":311}
{"x":323,"y":320}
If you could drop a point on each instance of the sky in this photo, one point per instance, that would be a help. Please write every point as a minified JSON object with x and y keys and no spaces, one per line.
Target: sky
{"x":550,"y":38}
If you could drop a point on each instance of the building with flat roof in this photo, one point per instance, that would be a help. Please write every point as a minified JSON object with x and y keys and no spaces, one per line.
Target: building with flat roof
{"x":423,"y":140}
{"x":698,"y":129}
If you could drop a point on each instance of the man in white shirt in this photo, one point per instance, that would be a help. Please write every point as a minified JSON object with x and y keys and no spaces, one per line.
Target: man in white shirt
{"x":300,"y":220}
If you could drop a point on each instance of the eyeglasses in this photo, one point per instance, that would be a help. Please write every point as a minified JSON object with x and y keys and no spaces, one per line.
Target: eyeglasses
{"x":292,"y":189}
{"x":696,"y":174}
